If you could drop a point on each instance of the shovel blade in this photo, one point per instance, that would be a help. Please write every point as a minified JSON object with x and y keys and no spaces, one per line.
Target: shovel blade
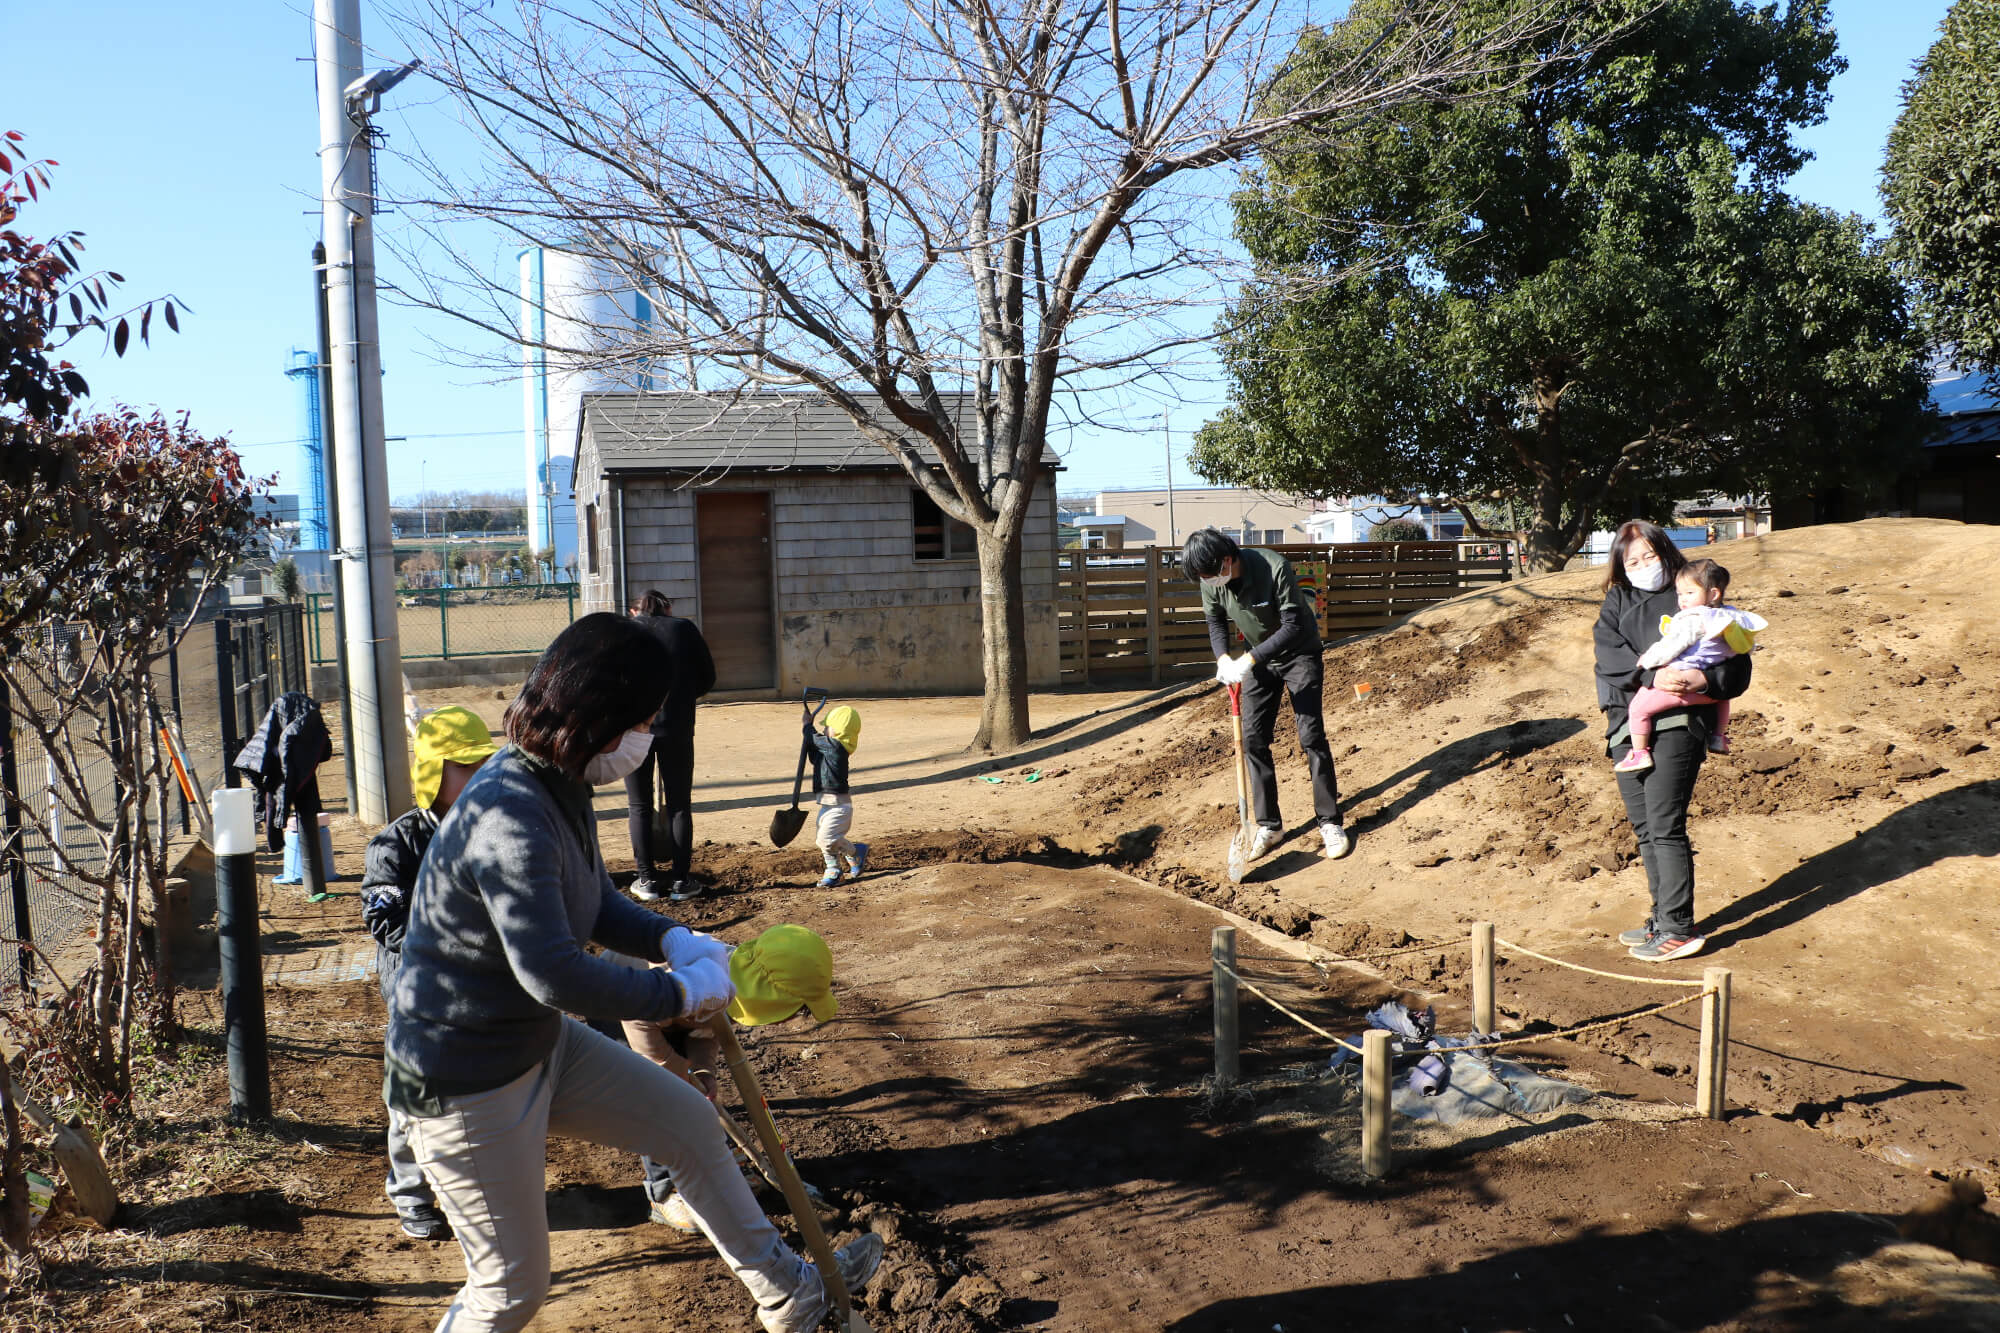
{"x":1239,"y":854}
{"x":785,"y":825}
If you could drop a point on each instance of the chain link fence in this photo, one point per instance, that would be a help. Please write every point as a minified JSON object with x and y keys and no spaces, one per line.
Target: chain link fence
{"x":458,"y":622}
{"x":213,"y":689}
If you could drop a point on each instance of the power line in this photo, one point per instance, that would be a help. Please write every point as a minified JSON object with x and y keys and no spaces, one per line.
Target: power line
{"x":437,"y":435}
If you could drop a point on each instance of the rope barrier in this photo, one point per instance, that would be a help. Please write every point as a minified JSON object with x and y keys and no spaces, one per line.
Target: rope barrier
{"x":1579,"y":967}
{"x":1493,"y":1045}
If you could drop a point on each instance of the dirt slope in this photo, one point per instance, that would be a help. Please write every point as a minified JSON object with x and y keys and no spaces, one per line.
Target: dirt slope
{"x":1845,"y":852}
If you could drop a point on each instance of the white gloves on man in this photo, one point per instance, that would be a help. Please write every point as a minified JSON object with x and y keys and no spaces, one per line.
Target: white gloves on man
{"x":681,"y":946}
{"x":1234,"y":670}
{"x":705,"y":988}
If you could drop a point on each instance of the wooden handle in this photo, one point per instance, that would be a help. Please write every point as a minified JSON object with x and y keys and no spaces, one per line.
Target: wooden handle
{"x":788,"y":1176}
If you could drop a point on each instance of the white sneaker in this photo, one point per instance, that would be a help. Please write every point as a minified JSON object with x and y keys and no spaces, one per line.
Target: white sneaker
{"x":1266,"y":839}
{"x":673,"y":1211}
{"x":1338,"y":844}
{"x":808,"y":1304}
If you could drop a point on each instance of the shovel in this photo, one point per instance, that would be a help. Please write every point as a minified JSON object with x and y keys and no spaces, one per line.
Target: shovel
{"x":785,"y":824}
{"x":794,"y":1189}
{"x":81,"y":1163}
{"x":1246,"y":828}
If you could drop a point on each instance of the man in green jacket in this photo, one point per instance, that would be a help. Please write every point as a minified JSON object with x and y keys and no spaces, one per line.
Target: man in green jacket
{"x":1257,"y":591}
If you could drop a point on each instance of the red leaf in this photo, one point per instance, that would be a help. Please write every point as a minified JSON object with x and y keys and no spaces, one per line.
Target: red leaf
{"x":6,"y":162}
{"x":146,"y":326}
{"x":14,"y":136}
{"x":33,"y":193}
{"x":121,"y":337}
{"x":115,"y":277}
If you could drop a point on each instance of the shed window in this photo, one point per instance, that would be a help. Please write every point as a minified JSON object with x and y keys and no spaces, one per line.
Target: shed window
{"x":590,"y":538}
{"x":938,"y":536}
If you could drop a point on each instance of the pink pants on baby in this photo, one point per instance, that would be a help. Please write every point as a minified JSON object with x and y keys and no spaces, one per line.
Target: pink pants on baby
{"x":1649,"y":703}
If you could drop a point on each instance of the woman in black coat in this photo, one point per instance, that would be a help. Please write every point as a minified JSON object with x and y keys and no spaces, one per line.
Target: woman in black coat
{"x":1638,"y":591}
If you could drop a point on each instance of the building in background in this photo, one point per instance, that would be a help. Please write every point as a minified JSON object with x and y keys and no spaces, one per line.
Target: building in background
{"x":1354,"y":518}
{"x":1164,"y":517}
{"x":805,"y":552}
{"x":314,"y":517}
{"x":571,"y":305}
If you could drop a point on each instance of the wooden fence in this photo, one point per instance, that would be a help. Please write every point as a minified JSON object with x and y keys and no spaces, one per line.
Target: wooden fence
{"x":1131,"y":612}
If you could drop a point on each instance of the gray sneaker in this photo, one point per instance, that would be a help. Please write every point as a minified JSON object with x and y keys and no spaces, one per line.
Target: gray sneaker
{"x":809,"y":1303}
{"x":647,"y":889}
{"x":1636,"y":936}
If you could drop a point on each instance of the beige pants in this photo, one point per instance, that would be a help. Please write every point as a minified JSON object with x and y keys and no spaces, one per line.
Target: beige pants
{"x":487,"y":1158}
{"x":834,"y":821}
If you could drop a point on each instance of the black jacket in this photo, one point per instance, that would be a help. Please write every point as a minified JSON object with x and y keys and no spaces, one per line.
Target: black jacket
{"x":829,"y":761}
{"x":389,"y":875}
{"x":282,"y":759}
{"x":693,"y":668}
{"x":1629,"y":624}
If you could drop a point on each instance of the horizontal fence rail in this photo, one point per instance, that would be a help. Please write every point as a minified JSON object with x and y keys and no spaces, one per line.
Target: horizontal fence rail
{"x":459,"y":622}
{"x":1132,"y":612}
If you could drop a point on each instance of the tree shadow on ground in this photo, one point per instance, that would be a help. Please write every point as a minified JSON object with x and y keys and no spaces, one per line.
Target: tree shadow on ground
{"x":1672,"y":1279}
{"x":1454,"y":762}
{"x":1964,"y":821}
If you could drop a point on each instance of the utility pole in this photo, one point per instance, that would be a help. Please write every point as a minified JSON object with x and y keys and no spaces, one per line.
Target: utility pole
{"x":376,"y":749}
{"x":1166,"y":429}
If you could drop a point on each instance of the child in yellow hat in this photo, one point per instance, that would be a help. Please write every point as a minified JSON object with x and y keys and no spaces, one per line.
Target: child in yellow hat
{"x":447,"y":746}
{"x":783,"y":970}
{"x":832,"y":741}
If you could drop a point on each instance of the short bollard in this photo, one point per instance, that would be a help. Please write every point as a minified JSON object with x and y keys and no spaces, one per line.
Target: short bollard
{"x":1376,"y":1063}
{"x":1222,"y":954}
{"x":1713,"y":1068}
{"x":235,"y":821}
{"x":1482,"y":978}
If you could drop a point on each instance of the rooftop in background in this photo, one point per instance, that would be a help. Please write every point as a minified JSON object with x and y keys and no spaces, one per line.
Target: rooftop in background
{"x":763,"y":432}
{"x":1954,"y":391}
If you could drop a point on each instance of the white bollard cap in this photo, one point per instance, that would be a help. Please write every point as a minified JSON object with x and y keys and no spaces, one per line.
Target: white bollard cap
{"x":235,"y":813}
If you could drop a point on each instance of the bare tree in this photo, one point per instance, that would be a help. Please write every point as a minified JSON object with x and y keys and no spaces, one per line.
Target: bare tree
{"x":896,"y":203}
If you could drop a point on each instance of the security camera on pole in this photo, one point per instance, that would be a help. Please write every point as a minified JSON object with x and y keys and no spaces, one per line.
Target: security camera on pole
{"x":376,"y":747}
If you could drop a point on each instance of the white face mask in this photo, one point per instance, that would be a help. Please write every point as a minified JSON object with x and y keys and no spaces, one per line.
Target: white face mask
{"x":1647,"y":578}
{"x":620,"y":761}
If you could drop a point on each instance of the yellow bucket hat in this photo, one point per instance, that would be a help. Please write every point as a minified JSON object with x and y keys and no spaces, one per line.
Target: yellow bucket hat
{"x":844,"y":725}
{"x":453,"y":734}
{"x":785,"y":967}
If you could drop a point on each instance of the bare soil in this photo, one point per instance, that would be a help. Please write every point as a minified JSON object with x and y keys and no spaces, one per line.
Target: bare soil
{"x":1016,"y":1091}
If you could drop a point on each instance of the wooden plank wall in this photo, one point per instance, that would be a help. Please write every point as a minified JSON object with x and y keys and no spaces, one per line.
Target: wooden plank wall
{"x":1127,"y":613}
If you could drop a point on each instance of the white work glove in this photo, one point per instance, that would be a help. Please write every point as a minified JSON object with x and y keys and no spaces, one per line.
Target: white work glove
{"x":1222,"y":669}
{"x":1234,"y":670}
{"x":681,"y":946}
{"x":705,"y":989}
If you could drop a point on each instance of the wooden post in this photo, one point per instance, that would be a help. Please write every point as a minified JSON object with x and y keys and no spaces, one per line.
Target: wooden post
{"x":1713,"y":1069}
{"x":1153,"y":610}
{"x":1375,"y":1067}
{"x":1482,"y":977}
{"x":1222,"y":954}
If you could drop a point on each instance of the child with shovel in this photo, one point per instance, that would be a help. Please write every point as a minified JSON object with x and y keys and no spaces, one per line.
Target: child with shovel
{"x":831,"y":742}
{"x":781,"y":971}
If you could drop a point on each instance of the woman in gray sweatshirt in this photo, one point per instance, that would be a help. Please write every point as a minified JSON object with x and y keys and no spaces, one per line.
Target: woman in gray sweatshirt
{"x":481,"y":1058}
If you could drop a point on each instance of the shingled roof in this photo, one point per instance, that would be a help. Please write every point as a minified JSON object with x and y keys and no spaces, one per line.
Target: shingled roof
{"x":699,"y":432}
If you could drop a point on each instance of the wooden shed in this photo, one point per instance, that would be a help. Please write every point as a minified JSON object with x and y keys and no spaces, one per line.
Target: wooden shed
{"x":805,"y":553}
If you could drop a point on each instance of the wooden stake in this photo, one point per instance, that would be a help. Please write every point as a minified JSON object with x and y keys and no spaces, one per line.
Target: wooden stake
{"x":1482,"y":977}
{"x":1222,"y":954}
{"x":1375,"y":1067}
{"x":1712,"y":1073}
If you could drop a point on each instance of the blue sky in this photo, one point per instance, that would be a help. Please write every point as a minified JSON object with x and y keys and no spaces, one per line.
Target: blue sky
{"x":187,"y":157}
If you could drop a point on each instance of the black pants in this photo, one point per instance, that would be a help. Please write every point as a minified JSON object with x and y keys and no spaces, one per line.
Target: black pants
{"x":673,"y":759}
{"x":1656,"y":801}
{"x":1300,"y":678}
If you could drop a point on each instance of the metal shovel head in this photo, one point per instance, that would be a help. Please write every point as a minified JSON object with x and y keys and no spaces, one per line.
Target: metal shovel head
{"x":785,"y":825}
{"x":1239,"y":852}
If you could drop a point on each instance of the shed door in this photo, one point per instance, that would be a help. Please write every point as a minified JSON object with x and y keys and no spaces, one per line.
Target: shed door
{"x":733,"y":536}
